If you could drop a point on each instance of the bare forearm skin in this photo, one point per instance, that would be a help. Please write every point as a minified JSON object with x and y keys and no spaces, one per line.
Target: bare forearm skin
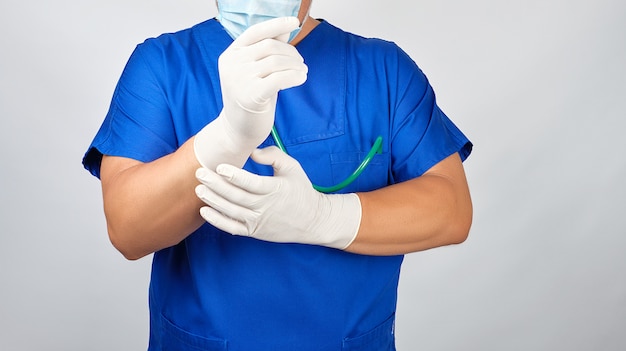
{"x":430,"y":211}
{"x":150,"y":206}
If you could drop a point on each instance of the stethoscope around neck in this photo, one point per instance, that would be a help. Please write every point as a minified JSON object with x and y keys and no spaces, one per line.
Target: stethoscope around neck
{"x":376,"y":149}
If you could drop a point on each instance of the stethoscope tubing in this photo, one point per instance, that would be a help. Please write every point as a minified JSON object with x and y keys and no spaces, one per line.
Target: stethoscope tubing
{"x":376,"y":149}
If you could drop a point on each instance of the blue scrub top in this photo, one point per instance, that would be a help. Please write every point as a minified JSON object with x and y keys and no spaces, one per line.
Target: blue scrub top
{"x":216,"y":291}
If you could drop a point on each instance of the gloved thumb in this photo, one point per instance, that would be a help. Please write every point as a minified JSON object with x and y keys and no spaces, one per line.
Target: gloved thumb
{"x":282,"y":163}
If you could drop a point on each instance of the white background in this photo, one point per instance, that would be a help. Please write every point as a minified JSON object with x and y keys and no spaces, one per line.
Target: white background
{"x":539,"y":86}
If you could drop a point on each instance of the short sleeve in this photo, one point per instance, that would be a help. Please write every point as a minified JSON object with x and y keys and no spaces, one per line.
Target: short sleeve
{"x":422,"y":135}
{"x":138,"y":124}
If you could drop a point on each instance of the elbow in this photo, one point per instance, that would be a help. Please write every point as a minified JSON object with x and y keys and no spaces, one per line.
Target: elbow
{"x":459,"y":234}
{"x":121,"y":236}
{"x":122,"y":244}
{"x":122,"y":231}
{"x":459,"y":229}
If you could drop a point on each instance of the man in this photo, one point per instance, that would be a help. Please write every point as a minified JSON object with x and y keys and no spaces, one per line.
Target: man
{"x":255,"y":258}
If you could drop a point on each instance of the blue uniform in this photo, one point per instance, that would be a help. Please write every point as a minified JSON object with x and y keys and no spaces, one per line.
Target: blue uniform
{"x":216,"y":291}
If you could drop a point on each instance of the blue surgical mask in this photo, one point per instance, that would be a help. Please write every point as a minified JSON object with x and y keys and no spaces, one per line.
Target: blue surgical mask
{"x":237,"y":15}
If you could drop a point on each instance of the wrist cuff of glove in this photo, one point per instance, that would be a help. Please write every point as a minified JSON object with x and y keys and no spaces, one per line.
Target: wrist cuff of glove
{"x":212,"y":145}
{"x":344,"y":220}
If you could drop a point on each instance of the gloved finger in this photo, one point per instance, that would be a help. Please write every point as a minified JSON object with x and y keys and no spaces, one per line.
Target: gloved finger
{"x":209,"y":197}
{"x":222,"y":222}
{"x":269,"y":29}
{"x":265,"y":48}
{"x":283,"y":37}
{"x":279,"y":63}
{"x":220,"y":193}
{"x":250,"y":183}
{"x":208,"y":177}
{"x":248,"y":216}
{"x":273,"y":83}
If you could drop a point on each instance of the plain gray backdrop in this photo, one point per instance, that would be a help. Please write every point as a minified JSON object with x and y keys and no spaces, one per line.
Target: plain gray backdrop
{"x":539,"y":86}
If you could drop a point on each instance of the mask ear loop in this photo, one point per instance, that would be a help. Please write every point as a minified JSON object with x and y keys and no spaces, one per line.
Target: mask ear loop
{"x":376,"y":149}
{"x":306,"y":17}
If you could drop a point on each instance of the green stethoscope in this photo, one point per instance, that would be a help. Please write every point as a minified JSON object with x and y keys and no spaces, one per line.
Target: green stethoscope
{"x":376,"y":149}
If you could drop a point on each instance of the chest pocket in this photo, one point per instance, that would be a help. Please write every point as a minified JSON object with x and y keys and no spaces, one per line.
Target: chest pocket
{"x":374,"y":176}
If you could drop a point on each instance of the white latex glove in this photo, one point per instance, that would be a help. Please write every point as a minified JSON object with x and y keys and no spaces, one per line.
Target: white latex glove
{"x":257,"y":65}
{"x":284,"y":208}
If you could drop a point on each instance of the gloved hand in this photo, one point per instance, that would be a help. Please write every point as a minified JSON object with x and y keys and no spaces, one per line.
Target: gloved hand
{"x":257,"y":65}
{"x":284,"y":208}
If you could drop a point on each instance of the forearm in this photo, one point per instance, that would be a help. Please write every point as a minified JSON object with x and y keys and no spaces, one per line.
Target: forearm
{"x":150,"y":206}
{"x":427,"y":212}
